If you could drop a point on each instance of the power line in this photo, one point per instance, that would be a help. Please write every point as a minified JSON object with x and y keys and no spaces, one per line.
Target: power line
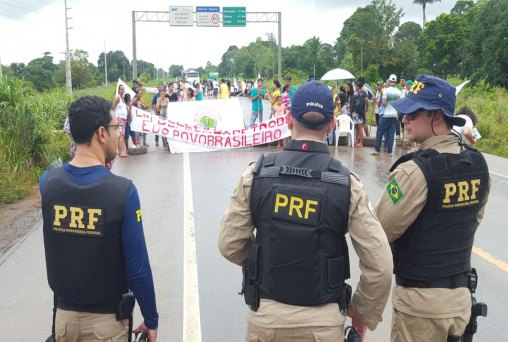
{"x":10,"y":16}
{"x":16,"y":6}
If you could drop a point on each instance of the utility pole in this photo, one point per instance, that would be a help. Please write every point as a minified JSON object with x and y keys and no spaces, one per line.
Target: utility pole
{"x":279,"y":48}
{"x":105,"y":64}
{"x":68,"y":78}
{"x":0,"y":66}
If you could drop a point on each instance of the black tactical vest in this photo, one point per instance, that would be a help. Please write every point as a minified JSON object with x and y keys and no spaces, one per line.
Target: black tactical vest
{"x":300,"y":208}
{"x":82,"y":237}
{"x":439,"y":242}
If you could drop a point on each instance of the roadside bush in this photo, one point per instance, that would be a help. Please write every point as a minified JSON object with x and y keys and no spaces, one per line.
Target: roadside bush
{"x":30,"y":138}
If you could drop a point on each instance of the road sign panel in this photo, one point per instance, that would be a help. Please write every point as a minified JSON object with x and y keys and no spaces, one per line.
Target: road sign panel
{"x":207,"y":16}
{"x":181,"y":16}
{"x":234,"y":16}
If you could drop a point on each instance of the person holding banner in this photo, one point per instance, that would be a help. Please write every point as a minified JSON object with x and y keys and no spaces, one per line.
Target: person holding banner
{"x":257,"y":95}
{"x":120,"y":109}
{"x":301,"y":203}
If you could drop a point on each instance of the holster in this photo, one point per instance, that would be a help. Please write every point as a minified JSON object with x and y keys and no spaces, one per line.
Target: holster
{"x":125,"y":306}
{"x":250,"y":271}
{"x":344,"y":297}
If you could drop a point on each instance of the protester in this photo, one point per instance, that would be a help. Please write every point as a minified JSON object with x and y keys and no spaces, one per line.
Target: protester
{"x":389,"y":119}
{"x":357,"y":109}
{"x":120,"y":109}
{"x":256,"y":96}
{"x":198,"y":92}
{"x":128,"y":131}
{"x":467,"y":133}
{"x":274,"y":95}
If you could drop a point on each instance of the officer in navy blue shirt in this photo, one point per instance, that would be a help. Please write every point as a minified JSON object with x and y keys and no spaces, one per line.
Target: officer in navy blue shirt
{"x":93,"y":234}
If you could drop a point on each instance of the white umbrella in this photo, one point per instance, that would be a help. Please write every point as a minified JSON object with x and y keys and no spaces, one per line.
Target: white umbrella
{"x":337,"y":74}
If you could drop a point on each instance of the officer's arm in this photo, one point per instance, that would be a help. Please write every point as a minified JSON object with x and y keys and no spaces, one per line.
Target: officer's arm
{"x":137,"y":264}
{"x":236,"y":229}
{"x":479,"y":218}
{"x":376,"y":264}
{"x":402,"y":199}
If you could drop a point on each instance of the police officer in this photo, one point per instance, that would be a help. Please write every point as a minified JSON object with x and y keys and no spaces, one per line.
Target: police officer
{"x":432,"y":205}
{"x":301,"y":203}
{"x":93,"y":234}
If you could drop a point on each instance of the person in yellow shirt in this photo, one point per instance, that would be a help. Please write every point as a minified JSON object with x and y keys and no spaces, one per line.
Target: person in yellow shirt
{"x":223,"y":90}
{"x":274,"y":95}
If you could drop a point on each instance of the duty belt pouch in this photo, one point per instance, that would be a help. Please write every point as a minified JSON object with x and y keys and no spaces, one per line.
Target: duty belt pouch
{"x":124,"y":306}
{"x":250,"y":278}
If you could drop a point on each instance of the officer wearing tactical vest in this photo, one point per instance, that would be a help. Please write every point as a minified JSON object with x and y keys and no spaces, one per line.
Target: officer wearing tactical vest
{"x":93,"y":236}
{"x":301,"y":203}
{"x":430,"y":210}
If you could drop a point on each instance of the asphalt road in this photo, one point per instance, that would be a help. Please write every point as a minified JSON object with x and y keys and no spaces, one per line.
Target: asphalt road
{"x":187,"y":206}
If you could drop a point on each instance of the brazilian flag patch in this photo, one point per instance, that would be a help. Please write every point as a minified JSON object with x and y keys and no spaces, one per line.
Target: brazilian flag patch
{"x":394,"y":191}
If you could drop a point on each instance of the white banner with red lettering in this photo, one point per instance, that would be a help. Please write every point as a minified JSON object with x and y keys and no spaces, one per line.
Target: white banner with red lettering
{"x":198,"y":126}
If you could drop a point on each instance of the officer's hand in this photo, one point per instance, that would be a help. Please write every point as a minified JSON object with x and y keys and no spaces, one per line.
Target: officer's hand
{"x":361,"y":329}
{"x":152,"y":334}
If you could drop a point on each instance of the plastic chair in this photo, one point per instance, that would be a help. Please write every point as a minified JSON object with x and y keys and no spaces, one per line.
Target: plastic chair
{"x":345,"y":125}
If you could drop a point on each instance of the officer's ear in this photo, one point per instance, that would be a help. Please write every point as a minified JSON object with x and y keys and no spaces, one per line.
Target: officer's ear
{"x":289,"y":120}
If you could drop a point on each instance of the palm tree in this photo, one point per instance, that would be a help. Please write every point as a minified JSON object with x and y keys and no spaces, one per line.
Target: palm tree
{"x":424,"y":4}
{"x":313,"y":46}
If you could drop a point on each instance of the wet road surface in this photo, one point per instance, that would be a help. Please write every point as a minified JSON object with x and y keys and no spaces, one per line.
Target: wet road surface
{"x":219,"y":312}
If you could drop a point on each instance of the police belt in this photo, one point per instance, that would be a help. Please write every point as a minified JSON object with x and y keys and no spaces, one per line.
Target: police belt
{"x":103,"y":308}
{"x":456,"y":281}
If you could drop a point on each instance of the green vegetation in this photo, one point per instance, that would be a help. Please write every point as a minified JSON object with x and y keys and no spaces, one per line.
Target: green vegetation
{"x":29,"y":135}
{"x":491,"y":106}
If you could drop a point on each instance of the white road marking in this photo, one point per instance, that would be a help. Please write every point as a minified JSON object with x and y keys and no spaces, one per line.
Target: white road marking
{"x":191,"y":313}
{"x":498,"y":174}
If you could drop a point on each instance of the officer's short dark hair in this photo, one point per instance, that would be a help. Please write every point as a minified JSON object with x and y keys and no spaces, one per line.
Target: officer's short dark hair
{"x":86,"y":115}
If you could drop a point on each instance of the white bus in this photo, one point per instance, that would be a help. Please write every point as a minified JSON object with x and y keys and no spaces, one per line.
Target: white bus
{"x":191,"y":76}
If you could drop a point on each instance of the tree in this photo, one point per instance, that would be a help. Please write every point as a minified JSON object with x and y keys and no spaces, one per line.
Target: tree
{"x":442,"y":44}
{"x":486,"y":49}
{"x":118,"y":66}
{"x":424,"y":4}
{"x":408,"y":31}
{"x":146,"y":68}
{"x":15,"y":69}
{"x":313,"y":47}
{"x":84,"y":74}
{"x":175,"y":70}
{"x":41,"y":72}
{"x":370,"y":29}
{"x":462,"y":6}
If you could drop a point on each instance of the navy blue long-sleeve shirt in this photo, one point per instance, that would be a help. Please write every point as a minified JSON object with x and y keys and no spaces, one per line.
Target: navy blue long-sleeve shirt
{"x":137,"y":264}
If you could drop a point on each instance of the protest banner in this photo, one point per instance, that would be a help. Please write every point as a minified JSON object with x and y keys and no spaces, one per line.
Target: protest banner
{"x":198,"y":126}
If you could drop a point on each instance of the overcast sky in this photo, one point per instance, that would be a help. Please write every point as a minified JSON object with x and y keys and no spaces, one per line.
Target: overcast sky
{"x":31,"y":27}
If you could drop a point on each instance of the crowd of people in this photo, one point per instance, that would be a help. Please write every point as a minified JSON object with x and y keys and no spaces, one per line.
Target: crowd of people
{"x":350,"y":99}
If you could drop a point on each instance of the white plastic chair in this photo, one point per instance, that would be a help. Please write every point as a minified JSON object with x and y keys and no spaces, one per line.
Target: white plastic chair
{"x":345,"y":125}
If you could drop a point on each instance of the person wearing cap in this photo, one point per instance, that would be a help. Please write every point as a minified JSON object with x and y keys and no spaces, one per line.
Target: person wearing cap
{"x":378,"y":100}
{"x":388,"y":121}
{"x":285,"y":224}
{"x":430,"y":210}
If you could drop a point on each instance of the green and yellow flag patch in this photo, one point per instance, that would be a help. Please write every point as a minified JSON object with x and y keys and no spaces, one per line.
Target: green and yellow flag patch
{"x":394,"y":191}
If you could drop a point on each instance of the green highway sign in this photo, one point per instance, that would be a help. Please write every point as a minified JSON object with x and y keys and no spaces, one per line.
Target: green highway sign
{"x":233,"y":16}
